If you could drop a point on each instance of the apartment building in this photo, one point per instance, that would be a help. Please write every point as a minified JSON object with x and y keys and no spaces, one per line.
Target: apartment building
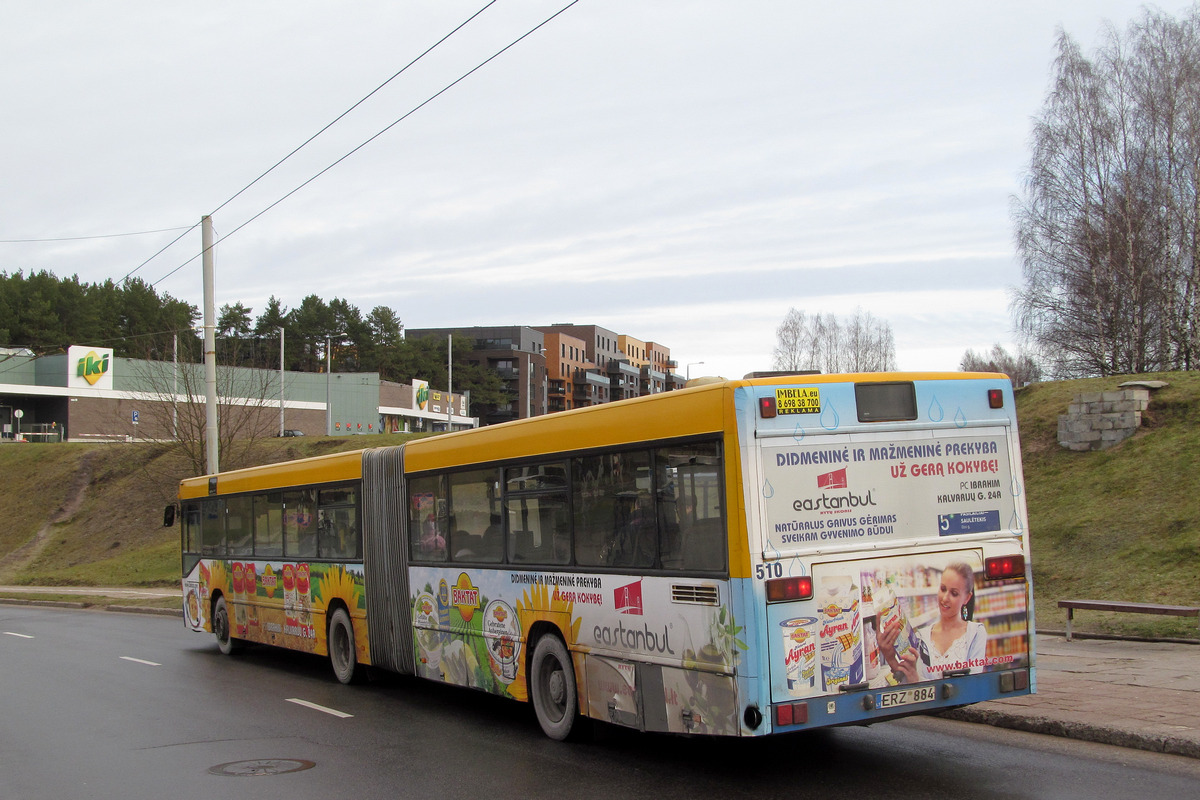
{"x":564,"y":366}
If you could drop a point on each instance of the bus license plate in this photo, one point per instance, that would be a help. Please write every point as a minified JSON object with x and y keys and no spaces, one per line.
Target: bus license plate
{"x":904,"y":697}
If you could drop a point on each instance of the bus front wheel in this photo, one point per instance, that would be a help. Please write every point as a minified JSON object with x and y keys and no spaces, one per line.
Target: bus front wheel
{"x":220,"y":625}
{"x":342,"y":654}
{"x":552,"y":688}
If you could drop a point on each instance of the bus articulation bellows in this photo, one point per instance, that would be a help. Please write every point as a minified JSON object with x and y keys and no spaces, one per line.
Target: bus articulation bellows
{"x":738,"y":558}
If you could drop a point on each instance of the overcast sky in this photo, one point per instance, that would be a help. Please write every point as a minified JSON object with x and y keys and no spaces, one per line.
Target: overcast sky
{"x":683,"y":172}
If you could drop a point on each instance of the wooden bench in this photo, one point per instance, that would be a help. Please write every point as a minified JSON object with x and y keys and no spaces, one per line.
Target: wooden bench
{"x":1131,"y":608}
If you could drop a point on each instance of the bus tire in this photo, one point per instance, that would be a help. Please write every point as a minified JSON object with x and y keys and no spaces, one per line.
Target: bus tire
{"x":552,"y":688}
{"x":220,"y":625}
{"x":340,"y":639}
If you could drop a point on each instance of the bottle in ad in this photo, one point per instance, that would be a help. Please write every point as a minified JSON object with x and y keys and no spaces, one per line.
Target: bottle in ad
{"x":840,"y":633}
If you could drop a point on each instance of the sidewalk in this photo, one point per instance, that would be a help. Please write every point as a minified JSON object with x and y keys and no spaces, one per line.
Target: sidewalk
{"x":1143,"y":695}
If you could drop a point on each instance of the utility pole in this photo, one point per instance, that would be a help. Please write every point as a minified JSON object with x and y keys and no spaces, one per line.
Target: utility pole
{"x":449,"y":383}
{"x":281,"y":381}
{"x":210,"y":349}
{"x":175,"y":386}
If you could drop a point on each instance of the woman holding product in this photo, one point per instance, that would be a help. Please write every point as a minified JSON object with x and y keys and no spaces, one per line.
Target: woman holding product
{"x":952,"y":643}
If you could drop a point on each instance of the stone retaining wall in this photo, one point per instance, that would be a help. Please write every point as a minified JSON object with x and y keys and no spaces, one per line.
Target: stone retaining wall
{"x":1099,"y":420}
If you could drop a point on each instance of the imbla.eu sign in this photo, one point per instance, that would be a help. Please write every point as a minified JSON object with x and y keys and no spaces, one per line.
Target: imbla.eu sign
{"x":91,"y":367}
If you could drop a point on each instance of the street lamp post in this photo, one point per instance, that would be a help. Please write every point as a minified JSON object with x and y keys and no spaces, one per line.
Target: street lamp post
{"x":689,"y":368}
{"x":328,"y":392}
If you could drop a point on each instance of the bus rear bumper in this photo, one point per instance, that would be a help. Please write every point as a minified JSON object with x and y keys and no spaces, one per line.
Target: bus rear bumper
{"x":867,"y":706}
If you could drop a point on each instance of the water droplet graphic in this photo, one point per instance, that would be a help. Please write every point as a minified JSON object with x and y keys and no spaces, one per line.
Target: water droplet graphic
{"x":768,"y":490}
{"x":936,"y":412}
{"x":1016,"y":487}
{"x":1015,"y":522}
{"x":830,"y":420}
{"x":798,"y":434}
{"x":960,"y":419}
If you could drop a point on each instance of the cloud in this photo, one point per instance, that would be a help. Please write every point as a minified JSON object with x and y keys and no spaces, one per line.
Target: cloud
{"x":682,"y":172}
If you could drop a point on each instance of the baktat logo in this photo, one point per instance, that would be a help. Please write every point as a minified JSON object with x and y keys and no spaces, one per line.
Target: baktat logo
{"x":92,"y":367}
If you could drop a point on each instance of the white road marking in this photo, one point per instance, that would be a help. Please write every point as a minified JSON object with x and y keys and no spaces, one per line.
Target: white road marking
{"x":315,"y":707}
{"x":140,"y":661}
{"x":18,"y":635}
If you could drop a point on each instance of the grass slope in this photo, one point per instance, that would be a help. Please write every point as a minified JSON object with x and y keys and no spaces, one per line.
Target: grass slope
{"x":1120,"y":524}
{"x":113,"y":534}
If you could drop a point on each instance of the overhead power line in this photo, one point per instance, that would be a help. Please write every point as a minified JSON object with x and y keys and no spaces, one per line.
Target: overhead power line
{"x":309,"y":140}
{"x":364,"y":99}
{"x":387,"y":128}
{"x":87,"y":238}
{"x":188,"y":229}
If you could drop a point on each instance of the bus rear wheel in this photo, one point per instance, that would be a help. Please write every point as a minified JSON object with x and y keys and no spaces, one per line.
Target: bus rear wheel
{"x":552,"y":688}
{"x":342,"y":655}
{"x":220,"y":625}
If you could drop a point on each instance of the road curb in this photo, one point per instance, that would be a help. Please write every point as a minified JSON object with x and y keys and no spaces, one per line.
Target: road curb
{"x":1076,"y":730}
{"x":161,"y":612}
{"x":19,"y":601}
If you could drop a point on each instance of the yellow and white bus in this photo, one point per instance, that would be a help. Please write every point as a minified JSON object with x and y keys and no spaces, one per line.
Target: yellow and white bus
{"x":738,"y":558}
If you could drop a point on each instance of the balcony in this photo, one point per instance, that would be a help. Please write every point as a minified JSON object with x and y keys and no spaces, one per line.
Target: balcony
{"x":622,"y":367}
{"x":588,"y":378}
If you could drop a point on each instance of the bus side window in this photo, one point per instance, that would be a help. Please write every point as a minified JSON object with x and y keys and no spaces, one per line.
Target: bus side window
{"x":191,"y":528}
{"x":537,"y":511}
{"x":337,"y":527}
{"x":212,"y":528}
{"x":268,"y":525}
{"x":427,"y":518}
{"x":615,"y":521}
{"x":239,"y":525}
{"x":476,"y":533}
{"x":691,"y":524}
{"x":300,"y":524}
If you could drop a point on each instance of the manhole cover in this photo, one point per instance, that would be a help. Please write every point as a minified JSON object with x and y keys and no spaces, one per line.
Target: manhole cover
{"x":261,"y":766}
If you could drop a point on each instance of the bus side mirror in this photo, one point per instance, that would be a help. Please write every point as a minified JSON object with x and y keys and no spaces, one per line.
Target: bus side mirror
{"x":169,"y":516}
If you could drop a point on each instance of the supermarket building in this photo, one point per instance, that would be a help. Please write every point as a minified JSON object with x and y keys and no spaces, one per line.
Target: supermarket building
{"x":88,"y":394}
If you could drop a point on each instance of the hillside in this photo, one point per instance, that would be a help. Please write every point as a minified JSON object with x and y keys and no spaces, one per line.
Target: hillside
{"x":1122,"y":524}
{"x":1119,"y":524}
{"x":91,"y":514}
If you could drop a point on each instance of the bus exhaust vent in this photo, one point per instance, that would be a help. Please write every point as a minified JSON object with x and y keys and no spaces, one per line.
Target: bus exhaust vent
{"x":696,"y":595}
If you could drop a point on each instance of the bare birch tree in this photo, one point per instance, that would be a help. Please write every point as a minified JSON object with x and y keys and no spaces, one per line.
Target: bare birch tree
{"x":174,"y":411}
{"x":824,"y":343}
{"x":1022,"y":368}
{"x":1107,"y":225}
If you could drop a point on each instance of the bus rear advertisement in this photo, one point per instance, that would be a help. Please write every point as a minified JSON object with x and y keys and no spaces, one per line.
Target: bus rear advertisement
{"x":738,"y":558}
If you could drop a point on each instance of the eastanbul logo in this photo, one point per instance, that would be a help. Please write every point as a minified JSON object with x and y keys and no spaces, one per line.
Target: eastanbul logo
{"x":91,"y":367}
{"x":835,"y":502}
{"x":634,"y":638}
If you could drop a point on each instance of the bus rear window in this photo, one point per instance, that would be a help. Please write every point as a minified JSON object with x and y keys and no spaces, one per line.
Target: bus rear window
{"x":885,"y":402}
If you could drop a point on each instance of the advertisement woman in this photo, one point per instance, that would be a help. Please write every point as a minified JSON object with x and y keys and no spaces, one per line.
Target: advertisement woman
{"x":953,"y":642}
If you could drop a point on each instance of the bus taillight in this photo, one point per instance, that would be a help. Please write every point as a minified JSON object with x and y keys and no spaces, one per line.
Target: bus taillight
{"x":796,"y":588}
{"x":995,"y":398}
{"x":791,"y":714}
{"x":766,"y":407}
{"x":1001,"y":567}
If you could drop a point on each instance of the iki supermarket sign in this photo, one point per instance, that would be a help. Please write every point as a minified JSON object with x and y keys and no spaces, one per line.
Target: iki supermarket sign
{"x":89,"y":367}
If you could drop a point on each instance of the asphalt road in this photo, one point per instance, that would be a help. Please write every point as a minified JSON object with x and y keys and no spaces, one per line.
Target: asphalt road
{"x":109,"y":705}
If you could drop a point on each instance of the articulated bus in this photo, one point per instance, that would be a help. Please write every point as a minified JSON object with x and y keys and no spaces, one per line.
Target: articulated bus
{"x":739,"y":558}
